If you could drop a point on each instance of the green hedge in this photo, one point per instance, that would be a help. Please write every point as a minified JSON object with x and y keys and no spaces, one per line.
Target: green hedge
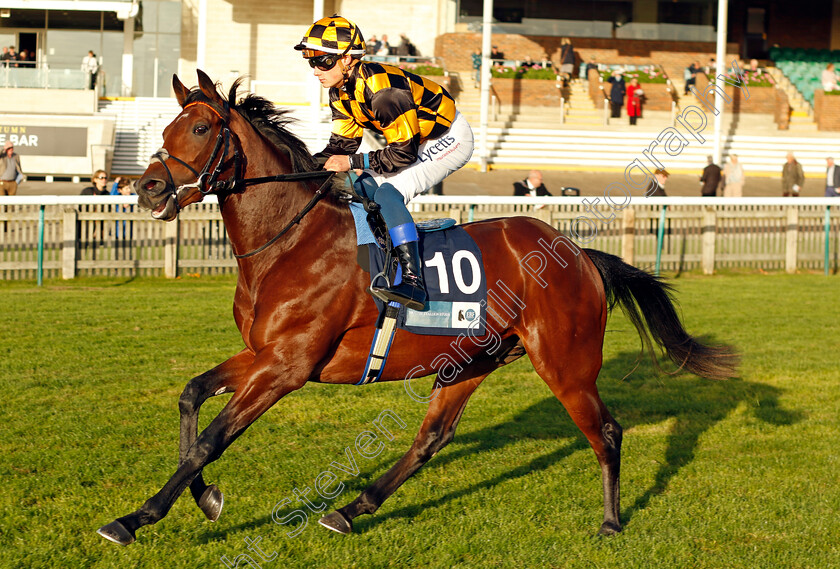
{"x":654,"y":76}
{"x":523,"y":73}
{"x":428,"y":70}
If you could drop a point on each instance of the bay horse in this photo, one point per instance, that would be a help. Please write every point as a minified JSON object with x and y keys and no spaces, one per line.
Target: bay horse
{"x":304,"y":314}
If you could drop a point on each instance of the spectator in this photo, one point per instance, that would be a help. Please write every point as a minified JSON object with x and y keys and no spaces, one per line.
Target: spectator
{"x":829,"y":78}
{"x":532,"y":186}
{"x":4,"y":58}
{"x":372,"y":46}
{"x":832,"y":179}
{"x":25,"y":59}
{"x":122,"y":187}
{"x":793,"y":178}
{"x":384,"y":46}
{"x":406,"y":48}
{"x":528,"y":63}
{"x":90,"y":65}
{"x":616,"y":93}
{"x":13,"y":57}
{"x":754,"y":66}
{"x":733,"y":178}
{"x":656,"y":188}
{"x":476,"y":63}
{"x":567,"y":59}
{"x":710,"y":178}
{"x":591,"y":65}
{"x":711,"y":68}
{"x":497,"y":56}
{"x":99,"y":187}
{"x":634,"y":100}
{"x":11,"y":173}
{"x":691,"y":75}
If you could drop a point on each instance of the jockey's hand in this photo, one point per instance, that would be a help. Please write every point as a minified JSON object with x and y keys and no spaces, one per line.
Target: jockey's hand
{"x":337,"y":163}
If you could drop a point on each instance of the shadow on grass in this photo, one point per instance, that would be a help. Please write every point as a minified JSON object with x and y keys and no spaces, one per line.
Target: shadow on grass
{"x":644,"y":398}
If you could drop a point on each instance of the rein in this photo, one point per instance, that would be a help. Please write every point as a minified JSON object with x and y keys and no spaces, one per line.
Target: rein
{"x":213,"y":184}
{"x":296,"y":219}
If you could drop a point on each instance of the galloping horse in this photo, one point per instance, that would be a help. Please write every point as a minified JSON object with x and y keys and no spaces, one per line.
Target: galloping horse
{"x":304,"y":314}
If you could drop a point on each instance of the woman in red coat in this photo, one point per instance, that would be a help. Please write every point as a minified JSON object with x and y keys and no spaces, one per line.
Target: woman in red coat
{"x":634,"y":100}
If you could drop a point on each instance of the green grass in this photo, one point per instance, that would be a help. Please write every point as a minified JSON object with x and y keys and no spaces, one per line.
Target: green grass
{"x":731,"y":474}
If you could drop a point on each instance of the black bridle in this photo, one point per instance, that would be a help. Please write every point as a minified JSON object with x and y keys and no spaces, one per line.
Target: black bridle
{"x":207,"y":182}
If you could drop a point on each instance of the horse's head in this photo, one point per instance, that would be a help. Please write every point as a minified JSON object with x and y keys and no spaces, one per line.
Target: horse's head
{"x":198,"y":152}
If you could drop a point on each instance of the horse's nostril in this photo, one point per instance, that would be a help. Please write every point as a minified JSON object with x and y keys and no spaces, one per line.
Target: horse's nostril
{"x":150,"y":185}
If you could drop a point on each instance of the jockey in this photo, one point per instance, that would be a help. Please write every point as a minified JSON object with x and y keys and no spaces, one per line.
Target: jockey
{"x":427,"y":138}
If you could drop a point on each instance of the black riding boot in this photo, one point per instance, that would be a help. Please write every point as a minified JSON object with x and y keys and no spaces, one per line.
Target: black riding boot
{"x":411,"y":291}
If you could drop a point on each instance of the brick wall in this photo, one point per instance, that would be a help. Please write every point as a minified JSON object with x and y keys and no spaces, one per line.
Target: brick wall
{"x":457,"y":48}
{"x":527,"y":92}
{"x":760,"y":100}
{"x":827,"y":110}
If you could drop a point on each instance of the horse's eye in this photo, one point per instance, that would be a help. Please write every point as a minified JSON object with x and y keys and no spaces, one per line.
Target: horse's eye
{"x":201,"y":129}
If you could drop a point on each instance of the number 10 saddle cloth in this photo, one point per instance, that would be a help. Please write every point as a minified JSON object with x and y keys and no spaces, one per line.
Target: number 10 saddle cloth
{"x":456,"y":286}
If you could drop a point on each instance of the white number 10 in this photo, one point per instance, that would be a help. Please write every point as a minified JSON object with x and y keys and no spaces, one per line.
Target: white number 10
{"x":439,"y":263}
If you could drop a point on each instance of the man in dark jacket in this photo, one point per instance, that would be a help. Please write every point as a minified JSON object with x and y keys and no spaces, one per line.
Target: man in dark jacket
{"x":656,"y":188}
{"x":531,"y":186}
{"x":617,"y":91}
{"x":832,"y":179}
{"x":710,"y":179}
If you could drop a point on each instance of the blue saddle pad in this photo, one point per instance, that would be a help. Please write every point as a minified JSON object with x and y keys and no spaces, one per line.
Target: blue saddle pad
{"x":455,"y":283}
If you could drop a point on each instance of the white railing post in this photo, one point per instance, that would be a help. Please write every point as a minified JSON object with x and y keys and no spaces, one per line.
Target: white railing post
{"x":791,"y":239}
{"x":628,"y":235}
{"x":68,"y":247}
{"x":709,"y":236}
{"x":170,"y":248}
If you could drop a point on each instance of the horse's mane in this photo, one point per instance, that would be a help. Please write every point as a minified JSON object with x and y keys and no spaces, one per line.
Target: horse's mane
{"x":269,"y":121}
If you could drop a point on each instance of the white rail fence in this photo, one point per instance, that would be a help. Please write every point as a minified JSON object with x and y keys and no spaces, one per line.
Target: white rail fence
{"x":69,"y":236}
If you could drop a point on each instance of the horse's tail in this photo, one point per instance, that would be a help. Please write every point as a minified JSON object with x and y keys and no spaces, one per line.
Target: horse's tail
{"x":637,"y":291}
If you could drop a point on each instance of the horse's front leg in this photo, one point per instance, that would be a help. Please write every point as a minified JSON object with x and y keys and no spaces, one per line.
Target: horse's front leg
{"x":266,"y":381}
{"x":436,"y":432}
{"x":224,"y":378}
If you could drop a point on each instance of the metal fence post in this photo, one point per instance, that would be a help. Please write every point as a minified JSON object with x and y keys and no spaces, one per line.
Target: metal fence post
{"x":660,"y":239}
{"x":41,"y":244}
{"x":827,"y":236}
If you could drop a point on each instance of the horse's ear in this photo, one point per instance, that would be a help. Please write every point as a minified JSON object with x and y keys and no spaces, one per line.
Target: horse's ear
{"x":207,"y":86}
{"x":181,"y":92}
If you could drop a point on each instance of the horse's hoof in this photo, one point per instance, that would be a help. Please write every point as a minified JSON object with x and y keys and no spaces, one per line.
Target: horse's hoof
{"x":337,"y":522}
{"x":117,"y":533}
{"x":211,"y":502}
{"x":609,"y":528}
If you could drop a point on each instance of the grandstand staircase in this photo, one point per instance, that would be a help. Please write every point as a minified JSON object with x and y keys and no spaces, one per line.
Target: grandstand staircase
{"x":140,"y":122}
{"x":139,"y":130}
{"x":802,"y":113}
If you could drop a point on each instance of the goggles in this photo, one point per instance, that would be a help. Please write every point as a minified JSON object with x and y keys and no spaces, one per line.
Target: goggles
{"x":321,"y":60}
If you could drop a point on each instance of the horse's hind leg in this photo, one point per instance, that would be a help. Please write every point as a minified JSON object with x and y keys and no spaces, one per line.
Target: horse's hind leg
{"x":570,"y":374}
{"x":436,"y":432}
{"x":221,"y":379}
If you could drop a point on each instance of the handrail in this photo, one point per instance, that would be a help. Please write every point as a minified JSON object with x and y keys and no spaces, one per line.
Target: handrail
{"x":606,"y":103}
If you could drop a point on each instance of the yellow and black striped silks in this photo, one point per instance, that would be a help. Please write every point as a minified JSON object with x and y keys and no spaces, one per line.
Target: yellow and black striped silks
{"x":406,"y":108}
